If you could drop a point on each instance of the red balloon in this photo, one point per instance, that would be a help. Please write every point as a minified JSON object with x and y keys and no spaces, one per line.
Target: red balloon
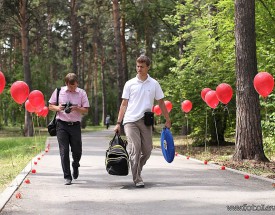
{"x":39,"y":107}
{"x":29,"y":107}
{"x":2,"y":82}
{"x":211,"y":99}
{"x":224,"y":93}
{"x":36,"y":99}
{"x":203,"y":93}
{"x":168,"y":105}
{"x":19,"y":91}
{"x":264,"y":83}
{"x":44,"y":112}
{"x":157,"y":110}
{"x":186,"y":106}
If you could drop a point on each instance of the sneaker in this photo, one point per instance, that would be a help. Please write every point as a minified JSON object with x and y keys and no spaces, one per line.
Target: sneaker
{"x":140,"y":184}
{"x":75,"y":172}
{"x":68,"y":182}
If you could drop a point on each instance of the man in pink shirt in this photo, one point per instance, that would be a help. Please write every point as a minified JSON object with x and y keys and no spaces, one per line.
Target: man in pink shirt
{"x":73,"y":103}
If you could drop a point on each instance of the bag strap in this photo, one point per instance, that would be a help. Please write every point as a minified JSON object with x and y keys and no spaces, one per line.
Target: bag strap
{"x":57,"y":99}
{"x":57,"y":94}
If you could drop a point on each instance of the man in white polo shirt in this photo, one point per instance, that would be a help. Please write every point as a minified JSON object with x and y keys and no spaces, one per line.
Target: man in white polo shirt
{"x":138,"y":97}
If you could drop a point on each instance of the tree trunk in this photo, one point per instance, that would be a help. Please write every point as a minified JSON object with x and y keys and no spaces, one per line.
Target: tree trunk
{"x":51,"y":84}
{"x":24,"y":22}
{"x":83,"y":61}
{"x":123,"y":44}
{"x":103,"y":85}
{"x":148,"y":34}
{"x":249,"y":140}
{"x":96,"y":115}
{"x":74,"y":26}
{"x":116,"y":18}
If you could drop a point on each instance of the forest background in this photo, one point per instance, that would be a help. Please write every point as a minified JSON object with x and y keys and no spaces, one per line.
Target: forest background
{"x":191,"y":44}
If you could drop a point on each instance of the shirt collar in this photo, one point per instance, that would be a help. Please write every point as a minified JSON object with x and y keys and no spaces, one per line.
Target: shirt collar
{"x":76,"y":90}
{"x":147,"y":79}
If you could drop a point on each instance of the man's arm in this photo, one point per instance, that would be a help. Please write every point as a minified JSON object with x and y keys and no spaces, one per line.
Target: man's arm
{"x":121,"y":113}
{"x":165,"y":113}
{"x":56,"y":108}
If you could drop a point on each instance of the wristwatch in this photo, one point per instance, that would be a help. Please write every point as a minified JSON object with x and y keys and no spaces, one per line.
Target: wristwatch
{"x":118,"y":123}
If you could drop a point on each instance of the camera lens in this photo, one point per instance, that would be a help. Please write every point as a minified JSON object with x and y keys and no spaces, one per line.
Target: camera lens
{"x":67,"y":110}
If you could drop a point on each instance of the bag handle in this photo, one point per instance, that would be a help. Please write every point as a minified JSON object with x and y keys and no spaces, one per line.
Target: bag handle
{"x":119,"y":140}
{"x":116,"y":135}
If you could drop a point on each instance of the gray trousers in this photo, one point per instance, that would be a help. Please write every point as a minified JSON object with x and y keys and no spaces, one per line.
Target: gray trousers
{"x":140,"y":146}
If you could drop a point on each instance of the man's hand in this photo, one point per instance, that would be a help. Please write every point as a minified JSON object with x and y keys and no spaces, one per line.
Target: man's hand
{"x":117,"y":128}
{"x":168,"y":124}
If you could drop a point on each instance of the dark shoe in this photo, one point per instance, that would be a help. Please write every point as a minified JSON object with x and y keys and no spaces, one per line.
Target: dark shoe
{"x":68,"y":182}
{"x":75,"y":172}
{"x":140,"y":185}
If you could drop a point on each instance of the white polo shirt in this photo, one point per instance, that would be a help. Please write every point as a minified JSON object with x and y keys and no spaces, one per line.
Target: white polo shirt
{"x":140,"y":95}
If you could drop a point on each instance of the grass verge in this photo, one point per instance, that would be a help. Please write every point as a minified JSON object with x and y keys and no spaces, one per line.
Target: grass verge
{"x":15,"y":154}
{"x":222,"y":156}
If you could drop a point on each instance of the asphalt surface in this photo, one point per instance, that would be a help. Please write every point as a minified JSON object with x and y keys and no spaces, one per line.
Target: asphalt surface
{"x":185,"y":186}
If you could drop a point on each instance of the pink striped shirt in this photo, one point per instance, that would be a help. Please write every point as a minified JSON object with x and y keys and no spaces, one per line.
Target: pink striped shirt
{"x":79,"y":98}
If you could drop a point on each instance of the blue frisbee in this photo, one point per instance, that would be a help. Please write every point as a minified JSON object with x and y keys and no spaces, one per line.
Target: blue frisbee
{"x":167,"y":145}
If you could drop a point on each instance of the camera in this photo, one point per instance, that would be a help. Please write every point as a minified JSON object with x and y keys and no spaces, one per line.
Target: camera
{"x":67,"y":106}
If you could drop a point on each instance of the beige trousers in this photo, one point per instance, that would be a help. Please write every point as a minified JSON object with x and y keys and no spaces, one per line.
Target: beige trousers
{"x":140,"y":146}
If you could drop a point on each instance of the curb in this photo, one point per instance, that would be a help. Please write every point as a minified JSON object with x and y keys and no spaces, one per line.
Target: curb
{"x":232,"y":170}
{"x":9,"y":191}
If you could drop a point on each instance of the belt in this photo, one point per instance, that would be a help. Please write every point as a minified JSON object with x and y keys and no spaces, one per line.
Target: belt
{"x":69,"y":123}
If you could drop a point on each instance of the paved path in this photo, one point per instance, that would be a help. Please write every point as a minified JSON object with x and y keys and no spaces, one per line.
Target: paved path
{"x":182,"y":187}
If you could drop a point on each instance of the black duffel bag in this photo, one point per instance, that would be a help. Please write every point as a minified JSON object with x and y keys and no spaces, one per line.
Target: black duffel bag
{"x":117,"y":158}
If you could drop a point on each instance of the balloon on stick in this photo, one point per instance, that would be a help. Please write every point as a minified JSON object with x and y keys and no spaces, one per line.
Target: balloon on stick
{"x":19,"y":91}
{"x":2,"y":82}
{"x":211,"y":99}
{"x":186,"y":106}
{"x":168,"y":105}
{"x":264,"y":83}
{"x":36,"y":99}
{"x":29,"y":107}
{"x":40,"y":107}
{"x":44,"y":112}
{"x":203,"y":93}
{"x":224,"y":93}
{"x":157,"y":110}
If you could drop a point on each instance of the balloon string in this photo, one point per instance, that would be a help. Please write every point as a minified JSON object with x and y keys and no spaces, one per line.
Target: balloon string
{"x":227,"y":110}
{"x":186,"y":115}
{"x":11,"y":157}
{"x":34,"y":135}
{"x":213,"y":113}
{"x":267,"y":126}
{"x":39,"y":134}
{"x":265,"y":101}
{"x":205,"y":137}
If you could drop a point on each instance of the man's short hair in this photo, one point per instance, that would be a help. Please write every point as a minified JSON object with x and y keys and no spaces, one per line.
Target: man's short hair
{"x":71,"y":78}
{"x":144,"y":59}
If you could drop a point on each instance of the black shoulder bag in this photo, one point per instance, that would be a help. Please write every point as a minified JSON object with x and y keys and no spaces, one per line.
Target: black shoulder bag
{"x":52,"y":125}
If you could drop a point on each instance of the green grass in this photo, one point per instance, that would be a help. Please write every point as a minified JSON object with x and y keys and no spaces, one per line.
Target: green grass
{"x":220,"y":155}
{"x":15,"y":154}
